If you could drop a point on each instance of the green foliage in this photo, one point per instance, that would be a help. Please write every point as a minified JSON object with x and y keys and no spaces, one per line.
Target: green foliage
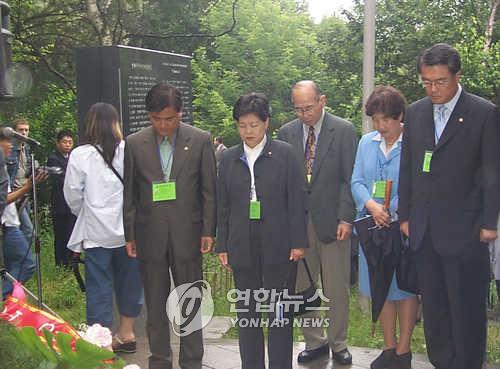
{"x":85,"y":355}
{"x":48,"y":111}
{"x":272,"y":46}
{"x":405,"y":28}
{"x":13,"y":355}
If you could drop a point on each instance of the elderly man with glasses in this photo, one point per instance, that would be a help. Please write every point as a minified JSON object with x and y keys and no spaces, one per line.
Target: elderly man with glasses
{"x":325,"y":146}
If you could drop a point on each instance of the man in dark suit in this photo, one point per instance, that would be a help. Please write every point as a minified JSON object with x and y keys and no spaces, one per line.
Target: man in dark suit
{"x":63,"y":220}
{"x":449,"y":195}
{"x":169,"y":214}
{"x":325,"y":147}
{"x":219,"y":148}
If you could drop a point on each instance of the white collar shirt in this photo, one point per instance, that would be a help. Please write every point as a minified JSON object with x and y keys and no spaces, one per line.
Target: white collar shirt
{"x":251,"y":155}
{"x":450,"y":105}
{"x":10,"y":218}
{"x":383,"y":145}
{"x":317,"y":129}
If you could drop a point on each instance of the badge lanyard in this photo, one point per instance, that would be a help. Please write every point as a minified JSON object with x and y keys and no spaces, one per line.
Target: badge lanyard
{"x":379,"y":184}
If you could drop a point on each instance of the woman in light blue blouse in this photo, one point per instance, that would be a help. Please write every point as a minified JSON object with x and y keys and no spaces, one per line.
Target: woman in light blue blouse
{"x":377,"y":160}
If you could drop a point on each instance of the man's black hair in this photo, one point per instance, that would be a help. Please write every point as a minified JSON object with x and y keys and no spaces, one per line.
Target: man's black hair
{"x":163,"y":95}
{"x":64,"y":133}
{"x":440,"y":54}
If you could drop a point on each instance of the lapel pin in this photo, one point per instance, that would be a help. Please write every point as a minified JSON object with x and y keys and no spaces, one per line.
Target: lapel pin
{"x":270,"y":153}
{"x":460,"y":120}
{"x":186,"y":148}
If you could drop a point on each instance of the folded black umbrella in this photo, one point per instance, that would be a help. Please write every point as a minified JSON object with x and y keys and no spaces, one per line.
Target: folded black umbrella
{"x":382,"y":248}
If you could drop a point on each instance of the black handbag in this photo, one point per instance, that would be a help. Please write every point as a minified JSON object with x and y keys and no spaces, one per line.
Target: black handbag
{"x":406,"y":270}
{"x":300,"y":302}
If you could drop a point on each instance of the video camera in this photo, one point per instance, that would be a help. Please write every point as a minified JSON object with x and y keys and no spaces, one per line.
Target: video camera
{"x":55,"y":171}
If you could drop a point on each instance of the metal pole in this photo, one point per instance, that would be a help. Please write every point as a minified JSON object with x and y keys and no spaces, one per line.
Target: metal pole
{"x":36,"y":232}
{"x":368,"y":58}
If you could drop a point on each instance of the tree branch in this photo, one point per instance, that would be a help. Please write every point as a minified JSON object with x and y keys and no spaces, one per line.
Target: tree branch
{"x":51,"y":68}
{"x":192,"y":35}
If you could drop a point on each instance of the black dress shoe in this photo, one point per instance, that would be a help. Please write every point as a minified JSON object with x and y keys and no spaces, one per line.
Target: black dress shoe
{"x":384,"y":360}
{"x":402,"y":361}
{"x":343,"y":357}
{"x":310,"y":355}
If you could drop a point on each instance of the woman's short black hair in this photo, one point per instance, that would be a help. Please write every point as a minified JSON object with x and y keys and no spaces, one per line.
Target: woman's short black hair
{"x":440,"y":54}
{"x":386,"y":100}
{"x":253,"y":103}
{"x":163,"y":95}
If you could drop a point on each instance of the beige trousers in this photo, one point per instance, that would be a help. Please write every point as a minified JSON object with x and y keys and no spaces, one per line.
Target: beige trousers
{"x":331,"y":262}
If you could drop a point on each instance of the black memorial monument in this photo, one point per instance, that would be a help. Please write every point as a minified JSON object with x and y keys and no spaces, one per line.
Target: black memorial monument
{"x":122,"y":75}
{"x":5,"y":51}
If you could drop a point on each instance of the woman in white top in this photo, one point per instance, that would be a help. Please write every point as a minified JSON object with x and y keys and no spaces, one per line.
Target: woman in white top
{"x":93,"y":189}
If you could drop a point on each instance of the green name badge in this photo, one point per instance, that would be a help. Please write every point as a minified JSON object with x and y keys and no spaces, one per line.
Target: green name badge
{"x":254,"y":209}
{"x":426,"y":167}
{"x":163,"y":191}
{"x":379,"y":189}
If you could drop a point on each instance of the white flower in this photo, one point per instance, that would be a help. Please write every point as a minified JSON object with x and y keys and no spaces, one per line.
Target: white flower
{"x":98,"y":335}
{"x":132,"y":366}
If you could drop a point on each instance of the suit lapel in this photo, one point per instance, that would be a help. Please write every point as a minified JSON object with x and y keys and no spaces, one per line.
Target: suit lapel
{"x":455,"y":122}
{"x":150,"y":151}
{"x":325,"y":139}
{"x":427,"y":125}
{"x":181,"y":152}
{"x":298,"y":139}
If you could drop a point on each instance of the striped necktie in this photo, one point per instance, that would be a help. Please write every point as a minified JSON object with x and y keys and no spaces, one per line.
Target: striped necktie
{"x":310,"y":152}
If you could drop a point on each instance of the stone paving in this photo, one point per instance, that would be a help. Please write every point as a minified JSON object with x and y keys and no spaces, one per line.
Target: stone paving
{"x":224,"y":353}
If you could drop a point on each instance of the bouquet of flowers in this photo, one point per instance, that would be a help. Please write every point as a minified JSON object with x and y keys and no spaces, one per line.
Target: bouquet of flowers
{"x":61,"y":346}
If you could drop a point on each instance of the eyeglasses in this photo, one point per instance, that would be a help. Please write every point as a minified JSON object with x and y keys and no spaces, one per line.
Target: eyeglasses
{"x":306,"y":109}
{"x":438,"y":82}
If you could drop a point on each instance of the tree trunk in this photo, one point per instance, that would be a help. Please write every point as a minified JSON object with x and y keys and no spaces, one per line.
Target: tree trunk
{"x":490,"y":25}
{"x":97,"y":17}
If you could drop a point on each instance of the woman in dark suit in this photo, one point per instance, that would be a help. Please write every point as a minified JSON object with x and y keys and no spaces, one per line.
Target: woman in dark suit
{"x":261,"y":230}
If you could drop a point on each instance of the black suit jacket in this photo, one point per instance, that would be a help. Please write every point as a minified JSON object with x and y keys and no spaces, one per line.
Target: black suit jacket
{"x":279,"y":183}
{"x":59,"y":205}
{"x":461,"y":193}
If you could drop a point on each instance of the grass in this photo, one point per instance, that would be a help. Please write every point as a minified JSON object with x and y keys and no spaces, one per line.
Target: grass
{"x":60,"y":290}
{"x":61,"y":293}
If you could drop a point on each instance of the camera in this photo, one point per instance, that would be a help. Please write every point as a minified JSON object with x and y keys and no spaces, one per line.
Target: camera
{"x":55,"y":171}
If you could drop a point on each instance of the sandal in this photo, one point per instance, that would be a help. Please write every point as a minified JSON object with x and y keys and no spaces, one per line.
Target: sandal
{"x":118,"y":345}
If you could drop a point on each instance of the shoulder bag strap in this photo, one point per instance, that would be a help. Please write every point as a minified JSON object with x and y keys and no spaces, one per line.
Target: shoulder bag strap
{"x":285,"y":284}
{"x":109,"y":164}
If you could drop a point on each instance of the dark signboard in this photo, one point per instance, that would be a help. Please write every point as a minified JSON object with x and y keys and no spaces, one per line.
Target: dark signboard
{"x":5,"y":51}
{"x":122,"y":75}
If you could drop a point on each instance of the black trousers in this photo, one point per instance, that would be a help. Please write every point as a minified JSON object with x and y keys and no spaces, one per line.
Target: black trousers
{"x":454,"y":292}
{"x":258,"y":280}
{"x":63,"y":226}
{"x":156,"y":280}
